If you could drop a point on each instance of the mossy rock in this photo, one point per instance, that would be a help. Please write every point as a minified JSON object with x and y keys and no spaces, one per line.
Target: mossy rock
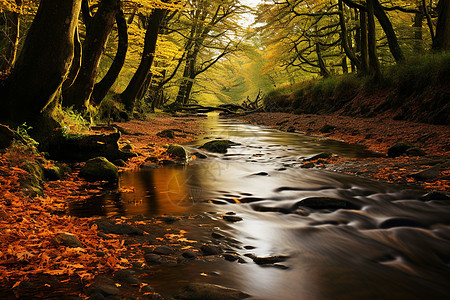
{"x":56,"y":172}
{"x":99,"y":168}
{"x":177,"y":151}
{"x":168,"y":133}
{"x":32,"y":184}
{"x":218,"y":146}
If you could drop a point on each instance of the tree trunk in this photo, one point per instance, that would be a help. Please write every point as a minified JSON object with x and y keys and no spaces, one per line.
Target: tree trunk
{"x":389,"y":31}
{"x":428,"y":17}
{"x":442,"y":38}
{"x":76,"y":62}
{"x":418,"y":37}
{"x":181,"y":96}
{"x":98,"y":31}
{"x":374,"y":65}
{"x":102,"y":87}
{"x":344,"y":37}
{"x":10,"y":38}
{"x":364,"y":43}
{"x":323,"y":68}
{"x":344,"y":65}
{"x":41,"y":67}
{"x":129,"y":95}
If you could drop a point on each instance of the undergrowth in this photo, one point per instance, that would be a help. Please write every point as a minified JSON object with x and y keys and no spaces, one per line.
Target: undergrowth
{"x":414,"y":90}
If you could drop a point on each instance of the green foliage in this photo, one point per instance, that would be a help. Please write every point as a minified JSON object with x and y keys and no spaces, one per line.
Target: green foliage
{"x":415,"y":90}
{"x":419,"y":72}
{"x":111,"y":110}
{"x":22,"y":131}
{"x":73,"y":121}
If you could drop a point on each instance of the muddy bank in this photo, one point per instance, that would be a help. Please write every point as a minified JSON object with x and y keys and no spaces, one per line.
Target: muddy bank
{"x":377,"y":134}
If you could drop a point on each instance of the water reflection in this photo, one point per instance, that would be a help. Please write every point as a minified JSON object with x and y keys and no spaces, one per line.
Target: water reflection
{"x":379,"y":242}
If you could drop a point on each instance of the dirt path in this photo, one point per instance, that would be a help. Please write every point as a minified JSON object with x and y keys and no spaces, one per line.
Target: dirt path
{"x":377,"y":134}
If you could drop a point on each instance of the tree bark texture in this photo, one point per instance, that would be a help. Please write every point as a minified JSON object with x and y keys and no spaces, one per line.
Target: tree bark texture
{"x":9,"y":38}
{"x":98,"y":31}
{"x":43,"y":63}
{"x":102,"y":87}
{"x":364,"y":43}
{"x":323,"y":68}
{"x":384,"y":21}
{"x":374,"y":64}
{"x":418,"y":36}
{"x":130,"y":94}
{"x":76,"y":62}
{"x":344,"y":37}
{"x":441,"y":40}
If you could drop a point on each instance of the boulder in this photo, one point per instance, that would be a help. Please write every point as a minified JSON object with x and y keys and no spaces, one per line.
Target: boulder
{"x":168,"y":133}
{"x":435,"y":195}
{"x":327,"y":128}
{"x":177,"y":151}
{"x":206,"y":291}
{"x":415,"y":151}
{"x":323,"y":203}
{"x":126,"y":276}
{"x":208,"y":249}
{"x":268,"y":260}
{"x":99,"y":168}
{"x":399,"y":149}
{"x":163,"y":250}
{"x":189,"y":254}
{"x":153,"y":259}
{"x":291,"y":129}
{"x":55,"y":172}
{"x":109,"y":227}
{"x":231,"y":218}
{"x":68,"y":240}
{"x":429,"y":174}
{"x":323,"y":155}
{"x":399,"y":222}
{"x":218,"y":146}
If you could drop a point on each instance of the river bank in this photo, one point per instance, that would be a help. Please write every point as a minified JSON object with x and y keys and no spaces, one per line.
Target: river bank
{"x":47,"y":253}
{"x":377,"y":134}
{"x":135,"y":256}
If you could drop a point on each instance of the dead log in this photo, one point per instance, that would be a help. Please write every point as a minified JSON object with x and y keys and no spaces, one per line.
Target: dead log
{"x":84,"y":147}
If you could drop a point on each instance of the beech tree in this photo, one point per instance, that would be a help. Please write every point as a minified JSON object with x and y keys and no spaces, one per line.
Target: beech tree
{"x":442,"y":38}
{"x":137,"y":82}
{"x":98,"y":29}
{"x":208,"y":38}
{"x":30,"y":91}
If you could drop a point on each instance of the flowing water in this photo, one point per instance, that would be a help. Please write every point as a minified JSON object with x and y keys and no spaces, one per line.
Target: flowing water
{"x":364,"y":240}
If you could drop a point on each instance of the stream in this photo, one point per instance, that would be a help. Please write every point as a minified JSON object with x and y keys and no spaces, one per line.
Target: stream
{"x":341,"y":237}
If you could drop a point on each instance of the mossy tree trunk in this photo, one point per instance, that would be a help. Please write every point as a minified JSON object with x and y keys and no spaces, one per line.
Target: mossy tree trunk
{"x":129,"y":95}
{"x":41,"y":67}
{"x":97,"y":33}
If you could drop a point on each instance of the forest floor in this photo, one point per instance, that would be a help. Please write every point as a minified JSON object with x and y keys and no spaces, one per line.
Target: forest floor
{"x":115,"y":252}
